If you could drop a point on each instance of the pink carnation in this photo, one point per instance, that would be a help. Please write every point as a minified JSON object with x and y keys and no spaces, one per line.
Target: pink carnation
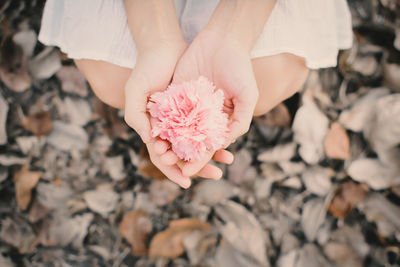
{"x":190,"y":116}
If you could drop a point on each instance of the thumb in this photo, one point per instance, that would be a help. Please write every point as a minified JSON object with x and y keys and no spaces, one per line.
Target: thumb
{"x":241,"y":118}
{"x":136,"y":94}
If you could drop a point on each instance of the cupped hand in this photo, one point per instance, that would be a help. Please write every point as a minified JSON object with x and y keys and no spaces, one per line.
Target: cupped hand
{"x":225,"y":62}
{"x":153,"y":72}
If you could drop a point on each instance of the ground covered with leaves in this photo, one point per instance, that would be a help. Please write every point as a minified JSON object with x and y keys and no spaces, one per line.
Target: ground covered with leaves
{"x":316,"y":182}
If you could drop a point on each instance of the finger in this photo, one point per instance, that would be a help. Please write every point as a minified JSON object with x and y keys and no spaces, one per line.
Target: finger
{"x":169,"y":158}
{"x":173,"y":172}
{"x":241,"y":119}
{"x":175,"y":175}
{"x":192,"y":167}
{"x":223,"y":156}
{"x":210,"y":171}
{"x":136,"y":107}
{"x":161,"y":146}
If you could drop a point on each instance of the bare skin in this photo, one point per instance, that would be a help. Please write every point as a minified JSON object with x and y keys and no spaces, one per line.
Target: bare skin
{"x":220,"y":52}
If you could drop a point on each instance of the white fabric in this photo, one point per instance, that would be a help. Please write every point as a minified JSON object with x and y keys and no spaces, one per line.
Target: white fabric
{"x":98,"y":29}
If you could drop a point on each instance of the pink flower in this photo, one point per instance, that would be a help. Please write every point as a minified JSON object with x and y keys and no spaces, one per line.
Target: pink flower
{"x":190,"y":116}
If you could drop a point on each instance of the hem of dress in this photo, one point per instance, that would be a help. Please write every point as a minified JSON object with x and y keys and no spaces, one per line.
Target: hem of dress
{"x":310,"y":63}
{"x":88,"y":54}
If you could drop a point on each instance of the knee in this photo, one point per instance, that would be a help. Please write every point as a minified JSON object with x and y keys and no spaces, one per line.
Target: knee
{"x":278,"y":77}
{"x":106,"y":80}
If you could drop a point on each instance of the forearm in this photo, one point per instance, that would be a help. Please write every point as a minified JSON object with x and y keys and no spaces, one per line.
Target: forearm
{"x":241,"y":20}
{"x":153,"y":22}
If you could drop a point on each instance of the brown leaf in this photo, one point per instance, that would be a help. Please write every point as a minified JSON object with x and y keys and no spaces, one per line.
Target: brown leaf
{"x":135,"y":227}
{"x":13,"y":67}
{"x":72,"y":81}
{"x":114,"y":125}
{"x":39,"y":123}
{"x":337,"y":143}
{"x":146,"y":168}
{"x":168,"y":243}
{"x":279,"y":116}
{"x":24,"y":181}
{"x":346,"y":198}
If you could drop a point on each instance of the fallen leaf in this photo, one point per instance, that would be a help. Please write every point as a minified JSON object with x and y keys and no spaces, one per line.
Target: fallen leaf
{"x":53,"y":197}
{"x":312,"y":217}
{"x":3,"y":120}
{"x":72,"y":81}
{"x":241,"y":170}
{"x":278,"y":153}
{"x":114,"y":124}
{"x":240,"y":229}
{"x":342,"y":254}
{"x":18,"y":233}
{"x":102,"y":201}
{"x":317,"y":180}
{"x":65,"y":230}
{"x":78,"y":111}
{"x":146,"y":168}
{"x":374,"y":173}
{"x":66,"y":136}
{"x":115,"y":167}
{"x":384,"y":213}
{"x":39,"y":123}
{"x":337,"y":142}
{"x":45,"y":64}
{"x":279,"y":116}
{"x":168,"y":243}
{"x":25,"y":181}
{"x":163,"y":192}
{"x":358,"y":116}
{"x":346,"y":198}
{"x":37,"y":211}
{"x":383,"y":129}
{"x":212,"y":192}
{"x":13,"y":66}
{"x":27,"y":39}
{"x":135,"y":228}
{"x":310,"y":126}
{"x":227,"y":255}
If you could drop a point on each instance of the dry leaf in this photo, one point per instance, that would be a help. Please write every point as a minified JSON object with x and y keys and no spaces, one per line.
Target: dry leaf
{"x":114,"y":125}
{"x":337,"y":142}
{"x":72,"y":81}
{"x":346,"y":198}
{"x":13,"y":70}
{"x":168,"y":243}
{"x":24,"y":181}
{"x":163,"y":192}
{"x":39,"y":123}
{"x":45,"y":64}
{"x":310,"y":126}
{"x":135,"y":227}
{"x":279,"y":116}
{"x":146,"y":168}
{"x":3,"y":120}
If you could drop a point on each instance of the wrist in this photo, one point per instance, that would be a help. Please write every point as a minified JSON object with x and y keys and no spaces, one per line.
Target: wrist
{"x":240,"y":21}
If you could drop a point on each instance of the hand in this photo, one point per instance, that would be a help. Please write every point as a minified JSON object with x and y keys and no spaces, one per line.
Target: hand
{"x":227,"y":64}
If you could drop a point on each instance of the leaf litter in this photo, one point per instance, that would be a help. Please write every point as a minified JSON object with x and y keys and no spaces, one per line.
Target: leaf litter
{"x":315,"y":182}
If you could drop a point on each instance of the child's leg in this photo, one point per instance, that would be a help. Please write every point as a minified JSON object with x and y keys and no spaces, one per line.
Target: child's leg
{"x":278,"y":77}
{"x":107,"y":80}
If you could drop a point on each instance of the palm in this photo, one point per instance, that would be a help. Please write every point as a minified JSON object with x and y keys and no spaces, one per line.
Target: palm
{"x":229,"y":68}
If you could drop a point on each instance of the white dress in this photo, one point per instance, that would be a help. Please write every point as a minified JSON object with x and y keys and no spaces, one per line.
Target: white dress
{"x":97,"y":29}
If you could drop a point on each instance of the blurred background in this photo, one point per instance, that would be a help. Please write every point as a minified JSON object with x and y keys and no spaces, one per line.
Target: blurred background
{"x":315,"y":182}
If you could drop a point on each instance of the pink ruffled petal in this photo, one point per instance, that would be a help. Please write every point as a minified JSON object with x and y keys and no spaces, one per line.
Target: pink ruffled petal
{"x":190,"y":116}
